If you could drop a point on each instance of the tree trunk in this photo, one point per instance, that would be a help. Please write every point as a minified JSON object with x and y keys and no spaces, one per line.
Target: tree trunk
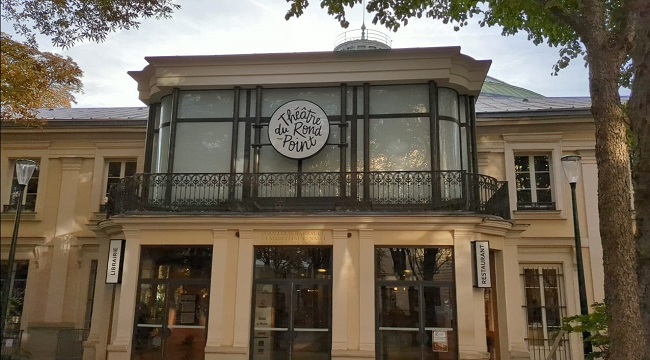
{"x":638,"y":112}
{"x":614,"y":205}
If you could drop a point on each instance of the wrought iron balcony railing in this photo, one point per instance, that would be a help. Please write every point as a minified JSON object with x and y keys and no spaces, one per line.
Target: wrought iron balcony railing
{"x":442,"y":191}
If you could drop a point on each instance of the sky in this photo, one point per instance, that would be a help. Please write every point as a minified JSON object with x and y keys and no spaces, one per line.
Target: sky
{"x":209,"y":27}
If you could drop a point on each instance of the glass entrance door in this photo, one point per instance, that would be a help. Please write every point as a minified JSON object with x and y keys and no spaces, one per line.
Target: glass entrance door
{"x":173,"y":302}
{"x":415,"y":304}
{"x":292,"y":304}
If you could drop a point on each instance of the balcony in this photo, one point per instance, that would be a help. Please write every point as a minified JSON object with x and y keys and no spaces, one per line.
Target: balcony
{"x":397,"y":191}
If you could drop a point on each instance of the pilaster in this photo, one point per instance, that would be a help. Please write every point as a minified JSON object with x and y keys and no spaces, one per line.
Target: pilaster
{"x":122,"y":329}
{"x":63,"y":239}
{"x":470,"y":302}
{"x":216,"y":327}
{"x":366,"y":290}
{"x":243,"y":289}
{"x":510,"y":301}
{"x":95,"y":345}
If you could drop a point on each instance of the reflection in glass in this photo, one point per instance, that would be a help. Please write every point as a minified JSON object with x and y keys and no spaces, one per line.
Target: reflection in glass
{"x":448,"y":102}
{"x":399,"y":99}
{"x":544,"y":306}
{"x":328,"y":98}
{"x":203,"y":147}
{"x":286,"y":262}
{"x":416,"y":303}
{"x":173,"y":303}
{"x":413,"y":264}
{"x":271,"y":321}
{"x":292,"y":303}
{"x":163,"y":262}
{"x":399,"y":144}
{"x":206,"y":104}
{"x":450,"y":158}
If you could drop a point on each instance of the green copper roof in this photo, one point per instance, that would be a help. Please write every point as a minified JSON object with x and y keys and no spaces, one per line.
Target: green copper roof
{"x":492,"y":86}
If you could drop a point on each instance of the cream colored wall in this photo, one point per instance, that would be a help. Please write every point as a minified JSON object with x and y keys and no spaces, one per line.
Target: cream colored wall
{"x":549,"y":237}
{"x":77,"y":167}
{"x":353,"y":239}
{"x":56,"y":238}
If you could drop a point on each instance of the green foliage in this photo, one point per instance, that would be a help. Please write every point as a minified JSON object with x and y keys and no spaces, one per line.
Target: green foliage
{"x":596,"y":324}
{"x":68,"y":22}
{"x":32,"y":79}
{"x":558,"y":23}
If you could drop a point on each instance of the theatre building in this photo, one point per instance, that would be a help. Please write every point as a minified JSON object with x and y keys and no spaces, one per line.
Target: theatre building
{"x":327,"y":205}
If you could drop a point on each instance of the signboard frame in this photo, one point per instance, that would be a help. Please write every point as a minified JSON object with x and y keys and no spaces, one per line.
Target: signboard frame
{"x":481,"y":267}
{"x":299,"y":129}
{"x":115,"y":263}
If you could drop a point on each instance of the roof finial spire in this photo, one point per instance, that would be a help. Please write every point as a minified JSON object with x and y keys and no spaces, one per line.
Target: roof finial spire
{"x":363,"y":20}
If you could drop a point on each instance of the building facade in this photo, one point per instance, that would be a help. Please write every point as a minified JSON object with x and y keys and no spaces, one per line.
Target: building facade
{"x":388,"y":204}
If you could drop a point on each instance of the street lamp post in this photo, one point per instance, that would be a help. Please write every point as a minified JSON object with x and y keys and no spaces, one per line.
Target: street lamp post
{"x":24,"y":171}
{"x":571,"y":166}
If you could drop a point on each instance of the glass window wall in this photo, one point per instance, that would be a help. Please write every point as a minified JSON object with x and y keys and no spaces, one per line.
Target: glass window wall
{"x":415,"y":303}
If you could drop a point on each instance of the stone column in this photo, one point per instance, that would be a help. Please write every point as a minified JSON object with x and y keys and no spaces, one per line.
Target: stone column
{"x":65,"y":226}
{"x":510,"y":302}
{"x":367,"y":291}
{"x":470,"y":302}
{"x":216,"y":327}
{"x":95,"y":345}
{"x":122,"y":329}
{"x":243,"y":292}
{"x":342,"y":269}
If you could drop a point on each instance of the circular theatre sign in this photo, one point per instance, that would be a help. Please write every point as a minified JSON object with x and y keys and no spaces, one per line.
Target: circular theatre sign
{"x":299,"y":129}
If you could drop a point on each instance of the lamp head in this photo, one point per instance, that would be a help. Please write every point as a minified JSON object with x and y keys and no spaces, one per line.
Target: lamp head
{"x":571,"y":166}
{"x":24,"y":170}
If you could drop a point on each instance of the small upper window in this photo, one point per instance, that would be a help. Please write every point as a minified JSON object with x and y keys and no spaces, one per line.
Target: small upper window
{"x":115,"y":170}
{"x":533,"y":180}
{"x":29,"y":196}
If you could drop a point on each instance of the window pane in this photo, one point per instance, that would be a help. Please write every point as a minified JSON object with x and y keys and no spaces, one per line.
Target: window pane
{"x":32,"y":186}
{"x":114,"y":168}
{"x":543,"y":180}
{"x":399,"y":99}
{"x":399,"y":144}
{"x":203,"y":147}
{"x":329,"y":99}
{"x":523,"y":196}
{"x":162,"y":262}
{"x":462,"y":103}
{"x":206,"y":104}
{"x":449,"y":146}
{"x":312,"y":306}
{"x":544,"y":196}
{"x":399,"y":307}
{"x":541,"y":163}
{"x":166,"y":110}
{"x":162,"y":157}
{"x":448,"y":102}
{"x":273,"y":161}
{"x":285,"y":262}
{"x":129,"y":168}
{"x":327,"y":160}
{"x":521,"y":163}
{"x":434,"y":263}
{"x":523,"y":181}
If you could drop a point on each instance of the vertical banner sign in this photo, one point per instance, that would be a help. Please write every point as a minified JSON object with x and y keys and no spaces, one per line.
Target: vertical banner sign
{"x":481,"y":264}
{"x":115,"y":262}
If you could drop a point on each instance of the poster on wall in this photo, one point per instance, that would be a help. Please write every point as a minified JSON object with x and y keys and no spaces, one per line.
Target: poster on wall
{"x":115,"y":262}
{"x":439,"y":341}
